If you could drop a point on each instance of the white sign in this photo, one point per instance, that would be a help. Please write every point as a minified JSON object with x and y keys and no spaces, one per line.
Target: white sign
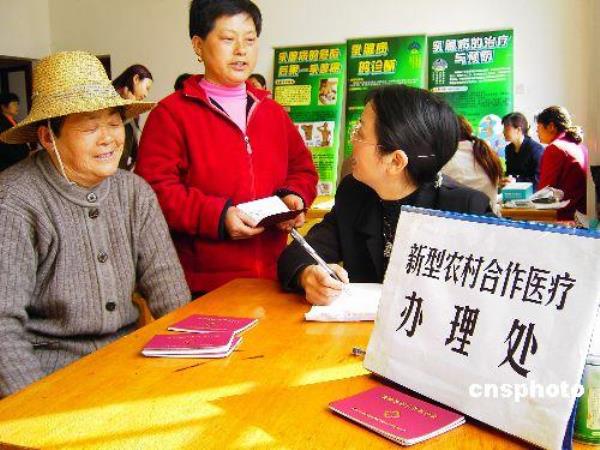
{"x":490,"y":317}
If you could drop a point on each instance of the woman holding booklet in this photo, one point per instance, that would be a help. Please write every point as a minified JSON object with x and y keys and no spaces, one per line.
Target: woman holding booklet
{"x":220,"y":142}
{"x":404,"y":138}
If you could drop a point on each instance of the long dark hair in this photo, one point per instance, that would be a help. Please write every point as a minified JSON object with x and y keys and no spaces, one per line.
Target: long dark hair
{"x":126,"y":78}
{"x":560,"y":117}
{"x":484,"y":155}
{"x":204,"y":14}
{"x":417,"y":122}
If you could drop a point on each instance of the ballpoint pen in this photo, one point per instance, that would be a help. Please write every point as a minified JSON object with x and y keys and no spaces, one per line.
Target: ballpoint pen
{"x":312,"y":252}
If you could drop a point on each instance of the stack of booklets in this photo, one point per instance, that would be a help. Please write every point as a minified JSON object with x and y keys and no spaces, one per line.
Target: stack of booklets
{"x":202,"y":337}
{"x":206,"y":324}
{"x":397,"y":416}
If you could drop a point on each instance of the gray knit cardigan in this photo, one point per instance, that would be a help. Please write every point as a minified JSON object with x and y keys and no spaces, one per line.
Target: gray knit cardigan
{"x":70,"y":259}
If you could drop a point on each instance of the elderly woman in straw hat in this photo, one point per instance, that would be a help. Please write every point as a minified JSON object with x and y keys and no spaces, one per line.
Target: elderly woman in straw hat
{"x":77,"y":234}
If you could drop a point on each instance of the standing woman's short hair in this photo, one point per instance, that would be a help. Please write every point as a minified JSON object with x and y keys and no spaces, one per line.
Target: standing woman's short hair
{"x":204,"y":13}
{"x":517,"y":120}
{"x":126,"y":78}
{"x":417,"y":122}
{"x":560,"y":117}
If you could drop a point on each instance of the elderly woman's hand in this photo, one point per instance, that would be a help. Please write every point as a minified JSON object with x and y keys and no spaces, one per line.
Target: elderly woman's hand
{"x":320,"y":288}
{"x":293,"y":202}
{"x":239,"y":225}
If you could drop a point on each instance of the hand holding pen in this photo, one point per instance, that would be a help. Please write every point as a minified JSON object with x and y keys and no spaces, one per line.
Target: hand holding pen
{"x":321,"y":282}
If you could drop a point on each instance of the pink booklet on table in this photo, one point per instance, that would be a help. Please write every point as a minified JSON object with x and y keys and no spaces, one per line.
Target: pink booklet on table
{"x":192,"y":345}
{"x":203,"y":324}
{"x":204,"y":354}
{"x":397,"y":416}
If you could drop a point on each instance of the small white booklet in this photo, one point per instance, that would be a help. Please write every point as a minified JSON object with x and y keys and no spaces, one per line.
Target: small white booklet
{"x":268,"y":211}
{"x":358,"y":302}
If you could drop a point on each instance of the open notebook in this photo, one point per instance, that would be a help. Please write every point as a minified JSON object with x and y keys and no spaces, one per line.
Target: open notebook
{"x":358,"y":302}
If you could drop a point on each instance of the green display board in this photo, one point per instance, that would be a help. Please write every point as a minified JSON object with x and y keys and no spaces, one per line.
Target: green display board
{"x":378,"y":61}
{"x":474,"y":73}
{"x":309,"y":83}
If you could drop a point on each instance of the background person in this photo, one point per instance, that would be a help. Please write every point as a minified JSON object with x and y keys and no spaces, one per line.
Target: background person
{"x":220,"y":142}
{"x":565,"y":160}
{"x":10,"y":153}
{"x":523,"y":154}
{"x":77,"y":235}
{"x":404,"y":137}
{"x":179,"y":81}
{"x":258,"y":81}
{"x":475,"y":164}
{"x":133,"y":84}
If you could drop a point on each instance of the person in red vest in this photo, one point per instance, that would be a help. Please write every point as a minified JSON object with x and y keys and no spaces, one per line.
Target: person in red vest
{"x":565,"y":160}
{"x":220,"y":142}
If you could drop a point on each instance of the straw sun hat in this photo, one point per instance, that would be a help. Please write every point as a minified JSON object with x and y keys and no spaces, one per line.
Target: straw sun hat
{"x":68,"y":83}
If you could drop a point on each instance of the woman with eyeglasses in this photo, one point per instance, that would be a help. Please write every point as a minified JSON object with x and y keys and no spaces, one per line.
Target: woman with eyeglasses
{"x":404,"y":138}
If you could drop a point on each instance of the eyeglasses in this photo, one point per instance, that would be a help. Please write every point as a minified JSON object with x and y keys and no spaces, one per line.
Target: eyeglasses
{"x":354,"y":136}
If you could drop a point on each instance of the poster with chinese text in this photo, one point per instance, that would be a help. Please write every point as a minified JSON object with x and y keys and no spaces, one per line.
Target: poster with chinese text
{"x":491,"y":317}
{"x":309,"y":83}
{"x":379,"y":61}
{"x":474,"y":73}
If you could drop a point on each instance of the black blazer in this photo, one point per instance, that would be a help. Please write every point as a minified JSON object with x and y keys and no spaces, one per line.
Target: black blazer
{"x":352,"y":232}
{"x":525,"y":165}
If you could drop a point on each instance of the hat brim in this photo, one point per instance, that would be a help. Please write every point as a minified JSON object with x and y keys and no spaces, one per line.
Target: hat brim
{"x":26,"y":130}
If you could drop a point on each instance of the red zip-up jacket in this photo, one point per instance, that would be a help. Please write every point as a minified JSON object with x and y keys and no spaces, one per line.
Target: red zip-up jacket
{"x":199,"y":162}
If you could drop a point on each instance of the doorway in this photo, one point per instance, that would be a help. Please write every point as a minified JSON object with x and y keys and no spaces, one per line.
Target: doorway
{"x":15,"y":77}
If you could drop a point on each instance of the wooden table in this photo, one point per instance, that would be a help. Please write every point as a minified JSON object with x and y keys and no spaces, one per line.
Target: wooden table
{"x":538,"y":215}
{"x":271,"y":393}
{"x":314,"y":212}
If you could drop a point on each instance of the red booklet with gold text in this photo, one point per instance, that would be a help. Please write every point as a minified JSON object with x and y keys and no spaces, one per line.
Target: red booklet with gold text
{"x":192,"y":345}
{"x":203,"y":324}
{"x":397,"y":416}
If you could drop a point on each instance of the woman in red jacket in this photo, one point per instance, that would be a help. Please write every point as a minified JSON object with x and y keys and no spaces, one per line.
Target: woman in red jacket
{"x":219,"y":142}
{"x":565,"y":160}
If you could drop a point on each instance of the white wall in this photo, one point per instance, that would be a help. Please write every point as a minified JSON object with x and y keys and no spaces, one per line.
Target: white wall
{"x":557,"y":58}
{"x":549,"y":45}
{"x":592,"y":130}
{"x":148,"y":32}
{"x":551,"y":49}
{"x":555,"y":40}
{"x":24,"y":28}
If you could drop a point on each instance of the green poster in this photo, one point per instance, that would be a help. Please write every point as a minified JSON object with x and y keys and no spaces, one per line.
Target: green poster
{"x":378,"y":61}
{"x":474,"y":73}
{"x":309,"y":83}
